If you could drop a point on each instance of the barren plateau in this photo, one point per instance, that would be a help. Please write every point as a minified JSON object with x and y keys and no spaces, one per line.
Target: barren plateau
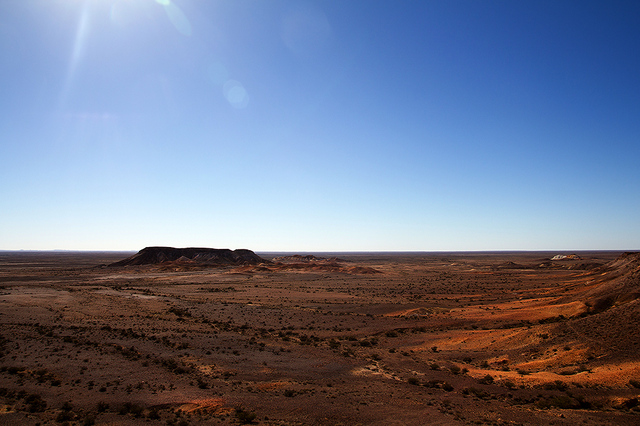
{"x":526,"y":338}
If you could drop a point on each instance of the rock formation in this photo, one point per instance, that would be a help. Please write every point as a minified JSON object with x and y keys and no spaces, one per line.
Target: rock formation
{"x":191,"y":255}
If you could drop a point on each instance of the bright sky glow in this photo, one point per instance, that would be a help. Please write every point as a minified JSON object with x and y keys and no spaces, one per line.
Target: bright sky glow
{"x":320,"y":125}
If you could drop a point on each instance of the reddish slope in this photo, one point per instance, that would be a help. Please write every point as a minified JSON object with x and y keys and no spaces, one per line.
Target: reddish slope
{"x":619,"y":283}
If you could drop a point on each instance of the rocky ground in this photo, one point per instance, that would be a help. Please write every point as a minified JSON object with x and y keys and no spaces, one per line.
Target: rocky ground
{"x":449,"y":338}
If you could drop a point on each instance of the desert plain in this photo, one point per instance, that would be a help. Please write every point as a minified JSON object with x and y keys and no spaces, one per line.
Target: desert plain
{"x":527,"y":338}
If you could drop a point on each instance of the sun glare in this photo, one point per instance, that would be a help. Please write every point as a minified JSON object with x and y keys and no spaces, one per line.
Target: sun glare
{"x":176,"y":16}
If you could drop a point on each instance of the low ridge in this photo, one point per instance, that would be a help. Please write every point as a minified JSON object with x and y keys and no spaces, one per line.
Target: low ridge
{"x":619,"y":283}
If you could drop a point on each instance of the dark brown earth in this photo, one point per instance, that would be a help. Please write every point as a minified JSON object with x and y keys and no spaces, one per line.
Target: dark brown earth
{"x":429,"y":338}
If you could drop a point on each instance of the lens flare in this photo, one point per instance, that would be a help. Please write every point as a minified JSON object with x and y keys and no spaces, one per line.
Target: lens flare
{"x":78,"y":50}
{"x":236,"y":94}
{"x":177,"y":17}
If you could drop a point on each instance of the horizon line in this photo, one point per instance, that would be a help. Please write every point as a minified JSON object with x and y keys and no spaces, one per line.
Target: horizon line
{"x":330,"y":251}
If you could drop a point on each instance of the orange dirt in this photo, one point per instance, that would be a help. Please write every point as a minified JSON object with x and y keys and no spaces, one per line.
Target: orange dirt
{"x":417,"y":338}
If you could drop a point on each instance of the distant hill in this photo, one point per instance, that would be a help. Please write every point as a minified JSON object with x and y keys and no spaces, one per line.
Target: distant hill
{"x":191,"y":255}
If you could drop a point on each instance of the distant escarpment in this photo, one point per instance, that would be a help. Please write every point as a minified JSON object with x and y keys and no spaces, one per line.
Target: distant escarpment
{"x":191,"y":256}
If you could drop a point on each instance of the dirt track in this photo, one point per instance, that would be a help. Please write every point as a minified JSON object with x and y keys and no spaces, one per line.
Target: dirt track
{"x":455,"y":338}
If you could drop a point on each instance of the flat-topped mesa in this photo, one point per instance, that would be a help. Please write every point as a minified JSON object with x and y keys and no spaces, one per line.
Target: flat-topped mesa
{"x":198,"y":255}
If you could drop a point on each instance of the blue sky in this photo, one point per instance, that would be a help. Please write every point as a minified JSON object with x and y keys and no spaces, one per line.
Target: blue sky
{"x":320,"y":126}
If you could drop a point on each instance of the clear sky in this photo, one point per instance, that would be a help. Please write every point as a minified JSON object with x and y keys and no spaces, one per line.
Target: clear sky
{"x":320,"y":125}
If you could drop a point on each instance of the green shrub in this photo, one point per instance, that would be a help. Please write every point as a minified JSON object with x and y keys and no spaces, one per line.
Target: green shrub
{"x":35,"y":403}
{"x":131,"y":408}
{"x":64,"y":416}
{"x":479,"y":393}
{"x":486,"y":380}
{"x":244,"y":417}
{"x":561,"y":401}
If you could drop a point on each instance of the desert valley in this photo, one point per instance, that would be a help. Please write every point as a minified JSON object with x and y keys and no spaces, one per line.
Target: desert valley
{"x":200,"y":336}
